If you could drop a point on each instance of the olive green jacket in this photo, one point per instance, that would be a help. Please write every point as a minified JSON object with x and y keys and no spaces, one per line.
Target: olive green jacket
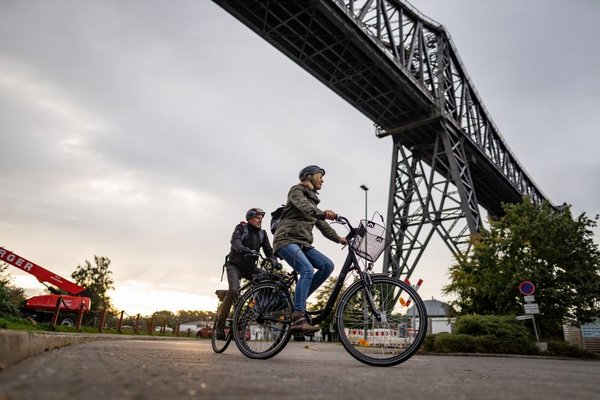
{"x":300,"y":215}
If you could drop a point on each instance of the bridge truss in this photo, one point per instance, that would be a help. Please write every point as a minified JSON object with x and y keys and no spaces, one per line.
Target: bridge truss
{"x":402,"y":70}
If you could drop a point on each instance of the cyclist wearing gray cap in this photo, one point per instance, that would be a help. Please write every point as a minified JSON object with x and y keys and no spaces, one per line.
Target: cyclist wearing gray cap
{"x":247,"y":239}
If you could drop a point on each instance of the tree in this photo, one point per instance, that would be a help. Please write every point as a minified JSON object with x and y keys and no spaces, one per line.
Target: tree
{"x":160,"y":317}
{"x":10,"y":296}
{"x":535,"y":243}
{"x":98,"y":279}
{"x":194,"y":315}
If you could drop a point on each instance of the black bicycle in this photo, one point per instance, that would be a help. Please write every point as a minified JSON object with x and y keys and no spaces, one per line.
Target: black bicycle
{"x":271,"y":272}
{"x":380,"y":320}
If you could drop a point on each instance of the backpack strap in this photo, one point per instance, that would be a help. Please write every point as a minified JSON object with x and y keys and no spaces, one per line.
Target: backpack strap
{"x":224,"y":266}
{"x":245,"y":232}
{"x":261,"y":233}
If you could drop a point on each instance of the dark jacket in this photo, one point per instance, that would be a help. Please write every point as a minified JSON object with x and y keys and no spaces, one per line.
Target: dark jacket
{"x":300,"y":215}
{"x":241,"y":245}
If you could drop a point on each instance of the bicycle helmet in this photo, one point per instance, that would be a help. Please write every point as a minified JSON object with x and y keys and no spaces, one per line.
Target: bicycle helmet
{"x":311,"y":169}
{"x":253,"y":212}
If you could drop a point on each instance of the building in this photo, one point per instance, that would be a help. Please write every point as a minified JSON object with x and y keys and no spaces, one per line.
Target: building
{"x":438,"y":314}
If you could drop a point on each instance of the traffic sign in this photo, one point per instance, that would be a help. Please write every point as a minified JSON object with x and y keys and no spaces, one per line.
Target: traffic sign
{"x":526,"y":288}
{"x":529,"y":299}
{"x":531,"y":308}
{"x":523,"y":317}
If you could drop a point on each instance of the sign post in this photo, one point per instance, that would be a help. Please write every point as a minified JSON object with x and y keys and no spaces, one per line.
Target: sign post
{"x":527,"y":289}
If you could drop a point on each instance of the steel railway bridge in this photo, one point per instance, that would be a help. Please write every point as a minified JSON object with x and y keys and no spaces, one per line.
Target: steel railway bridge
{"x":402,"y":70}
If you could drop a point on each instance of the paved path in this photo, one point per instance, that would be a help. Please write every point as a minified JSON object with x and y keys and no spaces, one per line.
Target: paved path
{"x":188,"y":369}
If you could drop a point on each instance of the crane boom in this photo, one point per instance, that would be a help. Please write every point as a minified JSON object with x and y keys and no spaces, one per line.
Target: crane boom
{"x":76,"y":299}
{"x":42,"y":274}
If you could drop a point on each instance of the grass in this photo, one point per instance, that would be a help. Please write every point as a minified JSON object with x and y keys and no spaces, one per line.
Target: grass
{"x":22,"y":324}
{"x":27,"y":324}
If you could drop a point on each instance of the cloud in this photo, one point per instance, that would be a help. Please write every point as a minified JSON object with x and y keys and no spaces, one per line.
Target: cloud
{"x":142,"y":131}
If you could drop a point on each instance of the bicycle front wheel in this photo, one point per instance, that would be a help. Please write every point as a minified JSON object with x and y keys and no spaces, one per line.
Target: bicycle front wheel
{"x":261,"y":321}
{"x":391,"y":334}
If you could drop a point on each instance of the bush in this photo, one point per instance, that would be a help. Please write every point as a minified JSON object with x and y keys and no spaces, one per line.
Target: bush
{"x":10,"y":296}
{"x":8,"y":303}
{"x":504,"y":327}
{"x":428,"y":343}
{"x":560,"y":348}
{"x":484,"y":334}
{"x":454,"y":343}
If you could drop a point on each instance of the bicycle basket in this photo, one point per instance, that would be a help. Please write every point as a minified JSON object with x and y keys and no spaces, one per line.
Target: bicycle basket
{"x":370,"y":240}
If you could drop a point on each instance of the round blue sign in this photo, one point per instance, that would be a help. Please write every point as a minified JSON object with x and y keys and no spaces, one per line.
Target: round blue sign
{"x":526,"y":288}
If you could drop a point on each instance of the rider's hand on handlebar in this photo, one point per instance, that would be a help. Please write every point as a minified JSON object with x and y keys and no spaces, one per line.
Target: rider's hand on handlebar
{"x":252,"y":253}
{"x":329,"y":214}
{"x":276,"y":264}
{"x":343,"y":241}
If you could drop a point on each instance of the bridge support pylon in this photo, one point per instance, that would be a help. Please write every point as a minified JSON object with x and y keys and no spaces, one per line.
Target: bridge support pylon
{"x":423,"y":201}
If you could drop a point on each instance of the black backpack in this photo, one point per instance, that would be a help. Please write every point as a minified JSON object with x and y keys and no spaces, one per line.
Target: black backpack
{"x":276,"y":217}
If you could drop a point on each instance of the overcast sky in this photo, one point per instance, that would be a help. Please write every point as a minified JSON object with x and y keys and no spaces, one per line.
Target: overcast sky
{"x":143,"y":130}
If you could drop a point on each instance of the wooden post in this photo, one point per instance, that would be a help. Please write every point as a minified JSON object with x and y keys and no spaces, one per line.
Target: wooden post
{"x":102,"y":319}
{"x":137,"y":323}
{"x":56,"y":311}
{"x":151,"y":325}
{"x":80,"y":316}
{"x":120,"y":324}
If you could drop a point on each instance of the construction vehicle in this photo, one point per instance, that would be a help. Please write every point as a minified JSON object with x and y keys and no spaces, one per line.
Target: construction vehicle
{"x":49,"y":307}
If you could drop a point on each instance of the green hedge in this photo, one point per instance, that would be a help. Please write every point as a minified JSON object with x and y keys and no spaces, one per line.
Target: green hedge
{"x":462,"y":343}
{"x":496,"y":335}
{"x":484,"y":334}
{"x":563,"y":349}
{"x":504,"y":327}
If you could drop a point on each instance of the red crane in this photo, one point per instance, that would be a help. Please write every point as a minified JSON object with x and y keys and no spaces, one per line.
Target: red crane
{"x":72,"y":302}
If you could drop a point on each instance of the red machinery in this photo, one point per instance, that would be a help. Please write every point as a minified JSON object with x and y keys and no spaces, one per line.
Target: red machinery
{"x":70,"y":303}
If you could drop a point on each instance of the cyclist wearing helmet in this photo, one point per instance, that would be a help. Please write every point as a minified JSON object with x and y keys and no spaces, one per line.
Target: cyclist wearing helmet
{"x":293,"y":241}
{"x":247,"y":238}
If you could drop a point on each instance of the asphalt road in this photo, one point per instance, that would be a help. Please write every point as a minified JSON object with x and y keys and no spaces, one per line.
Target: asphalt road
{"x":188,"y":369}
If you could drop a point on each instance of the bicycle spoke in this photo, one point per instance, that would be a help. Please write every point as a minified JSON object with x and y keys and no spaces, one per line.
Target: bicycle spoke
{"x":391,"y":334}
{"x":262,"y":321}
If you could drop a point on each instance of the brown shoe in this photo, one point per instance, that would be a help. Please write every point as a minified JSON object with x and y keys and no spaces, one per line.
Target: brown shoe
{"x":299,"y":324}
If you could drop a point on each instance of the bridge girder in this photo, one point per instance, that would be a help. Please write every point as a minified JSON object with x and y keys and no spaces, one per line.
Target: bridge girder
{"x":402,"y":70}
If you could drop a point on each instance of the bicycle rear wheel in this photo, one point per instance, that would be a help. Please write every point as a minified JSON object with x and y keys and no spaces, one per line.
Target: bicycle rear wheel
{"x":393,"y":337}
{"x":220,"y":345}
{"x":261,"y":321}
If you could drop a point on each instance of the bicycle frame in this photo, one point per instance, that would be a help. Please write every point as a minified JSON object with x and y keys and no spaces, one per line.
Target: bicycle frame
{"x":350,"y":264}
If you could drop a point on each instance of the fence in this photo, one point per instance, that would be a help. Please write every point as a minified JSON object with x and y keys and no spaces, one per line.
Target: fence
{"x":574,"y":336}
{"x":118,"y":322}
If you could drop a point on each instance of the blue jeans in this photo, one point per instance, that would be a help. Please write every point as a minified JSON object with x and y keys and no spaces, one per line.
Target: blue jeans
{"x":304,"y":261}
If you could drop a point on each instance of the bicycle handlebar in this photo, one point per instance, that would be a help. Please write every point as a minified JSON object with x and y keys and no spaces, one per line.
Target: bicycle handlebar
{"x":266,"y":263}
{"x":344,"y":221}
